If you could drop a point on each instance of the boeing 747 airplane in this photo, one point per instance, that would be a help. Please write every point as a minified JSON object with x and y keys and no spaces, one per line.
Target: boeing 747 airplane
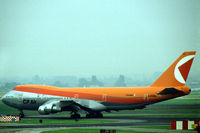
{"x":93,"y":101}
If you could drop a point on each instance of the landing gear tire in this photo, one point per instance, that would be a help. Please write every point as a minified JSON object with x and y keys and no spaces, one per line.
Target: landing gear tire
{"x":88,"y":116}
{"x":94,"y":115}
{"x":99,"y":115}
{"x":75,"y":116}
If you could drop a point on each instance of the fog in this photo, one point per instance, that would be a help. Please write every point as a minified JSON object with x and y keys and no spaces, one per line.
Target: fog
{"x":96,"y":37}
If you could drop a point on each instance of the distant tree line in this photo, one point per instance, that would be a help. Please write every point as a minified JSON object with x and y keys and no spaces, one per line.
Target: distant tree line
{"x":120,"y":81}
{"x":96,"y":83}
{"x":9,"y":85}
{"x":81,"y":82}
{"x":93,"y":83}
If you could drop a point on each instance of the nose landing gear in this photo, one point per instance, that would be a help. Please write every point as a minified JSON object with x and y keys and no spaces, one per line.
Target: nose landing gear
{"x":21,"y":114}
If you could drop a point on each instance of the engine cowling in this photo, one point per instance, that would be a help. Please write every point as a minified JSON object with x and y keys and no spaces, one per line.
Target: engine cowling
{"x":48,"y":108}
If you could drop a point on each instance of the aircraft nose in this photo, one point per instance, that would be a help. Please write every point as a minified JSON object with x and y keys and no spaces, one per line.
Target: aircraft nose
{"x":9,"y":99}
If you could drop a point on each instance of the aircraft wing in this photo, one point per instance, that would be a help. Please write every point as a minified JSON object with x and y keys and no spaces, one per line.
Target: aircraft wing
{"x":75,"y":105}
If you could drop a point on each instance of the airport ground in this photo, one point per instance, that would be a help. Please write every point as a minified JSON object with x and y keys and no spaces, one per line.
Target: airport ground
{"x":154,"y":118}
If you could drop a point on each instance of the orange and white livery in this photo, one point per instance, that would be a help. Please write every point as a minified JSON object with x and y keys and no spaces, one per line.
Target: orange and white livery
{"x":49,"y":99}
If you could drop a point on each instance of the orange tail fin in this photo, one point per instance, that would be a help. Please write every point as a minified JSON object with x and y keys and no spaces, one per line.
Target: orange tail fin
{"x":177,"y":73}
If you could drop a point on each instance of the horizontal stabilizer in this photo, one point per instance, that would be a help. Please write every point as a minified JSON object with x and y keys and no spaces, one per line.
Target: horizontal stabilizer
{"x":172,"y":91}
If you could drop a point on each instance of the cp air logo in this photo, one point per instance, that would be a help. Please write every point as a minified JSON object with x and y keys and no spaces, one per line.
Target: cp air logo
{"x":182,"y":68}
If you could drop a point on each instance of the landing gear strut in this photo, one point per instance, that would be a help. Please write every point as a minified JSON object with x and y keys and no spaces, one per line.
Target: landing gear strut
{"x":21,"y":114}
{"x":94,"y":115}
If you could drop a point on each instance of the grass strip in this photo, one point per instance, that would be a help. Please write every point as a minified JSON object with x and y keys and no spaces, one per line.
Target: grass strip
{"x":89,"y":131}
{"x":153,"y":127}
{"x":156,"y":115}
{"x":50,"y":121}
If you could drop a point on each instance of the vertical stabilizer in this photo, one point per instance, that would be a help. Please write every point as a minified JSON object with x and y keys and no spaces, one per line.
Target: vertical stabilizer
{"x":177,"y":73}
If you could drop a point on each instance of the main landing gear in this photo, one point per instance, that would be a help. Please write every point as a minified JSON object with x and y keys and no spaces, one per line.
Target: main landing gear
{"x":94,"y":115}
{"x":75,"y":116}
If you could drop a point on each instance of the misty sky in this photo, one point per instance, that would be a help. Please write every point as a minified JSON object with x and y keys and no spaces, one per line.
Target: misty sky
{"x":96,"y":37}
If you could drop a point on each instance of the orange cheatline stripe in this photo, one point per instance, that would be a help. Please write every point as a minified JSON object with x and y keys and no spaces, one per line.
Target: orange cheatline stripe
{"x":80,"y":95}
{"x":53,"y":92}
{"x":109,"y":91}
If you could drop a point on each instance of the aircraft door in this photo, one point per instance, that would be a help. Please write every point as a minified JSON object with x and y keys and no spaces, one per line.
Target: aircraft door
{"x":20,"y":98}
{"x":76,"y":96}
{"x":146,"y":97}
{"x":104,"y":97}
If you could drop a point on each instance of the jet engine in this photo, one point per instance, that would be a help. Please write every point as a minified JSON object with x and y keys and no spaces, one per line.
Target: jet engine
{"x":48,"y":108}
